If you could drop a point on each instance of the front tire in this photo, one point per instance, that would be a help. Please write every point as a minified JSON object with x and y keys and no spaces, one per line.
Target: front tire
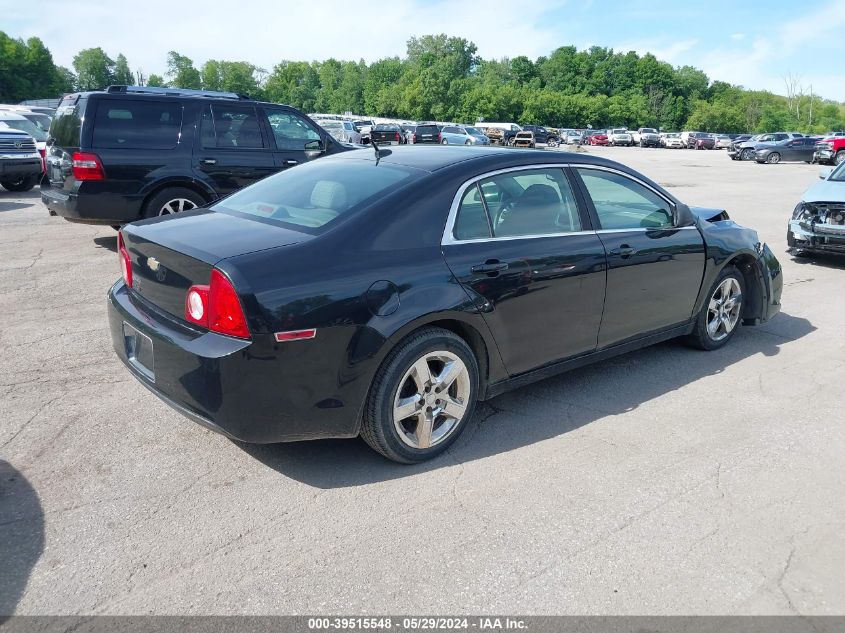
{"x":773,"y":158}
{"x":172,"y":200}
{"x":838,"y":160}
{"x":422,"y":397}
{"x":24,"y":183}
{"x":720,"y":317}
{"x":746,"y":154}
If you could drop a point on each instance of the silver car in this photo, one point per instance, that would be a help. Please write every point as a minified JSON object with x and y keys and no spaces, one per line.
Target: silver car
{"x":342,"y":131}
{"x":454,"y":135}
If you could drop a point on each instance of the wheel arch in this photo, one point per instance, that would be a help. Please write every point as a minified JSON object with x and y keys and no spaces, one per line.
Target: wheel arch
{"x":755,"y":289}
{"x":197,"y":187}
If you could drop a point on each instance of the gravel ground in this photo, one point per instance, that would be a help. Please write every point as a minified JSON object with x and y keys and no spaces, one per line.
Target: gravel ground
{"x":667,"y":481}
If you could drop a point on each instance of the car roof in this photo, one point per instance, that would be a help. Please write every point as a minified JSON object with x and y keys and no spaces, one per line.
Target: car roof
{"x":435,"y":157}
{"x":11,"y":116}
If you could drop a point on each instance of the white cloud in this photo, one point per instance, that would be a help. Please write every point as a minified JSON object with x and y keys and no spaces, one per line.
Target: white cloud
{"x":736,"y":37}
{"x":266,"y":32}
{"x":662,"y":48}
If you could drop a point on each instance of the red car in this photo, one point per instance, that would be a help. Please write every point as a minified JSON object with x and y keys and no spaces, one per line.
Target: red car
{"x":597,"y":138}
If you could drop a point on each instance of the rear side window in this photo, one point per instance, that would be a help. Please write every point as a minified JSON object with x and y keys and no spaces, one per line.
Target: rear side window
{"x":67,"y":122}
{"x":127,"y":124}
{"x":316,"y":193}
{"x":232,"y":127}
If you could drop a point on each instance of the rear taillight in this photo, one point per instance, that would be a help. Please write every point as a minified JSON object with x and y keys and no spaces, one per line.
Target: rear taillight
{"x":87,"y":167}
{"x":43,"y":164}
{"x":125,"y":262}
{"x":415,"y":137}
{"x":397,"y":136}
{"x":439,"y":136}
{"x":216,"y":307}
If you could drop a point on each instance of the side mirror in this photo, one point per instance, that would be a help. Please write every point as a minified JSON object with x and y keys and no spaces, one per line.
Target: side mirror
{"x":683,"y":216}
{"x":824,"y":172}
{"x":314,"y":148}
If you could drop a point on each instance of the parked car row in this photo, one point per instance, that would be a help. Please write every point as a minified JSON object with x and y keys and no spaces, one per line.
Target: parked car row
{"x":29,"y":126}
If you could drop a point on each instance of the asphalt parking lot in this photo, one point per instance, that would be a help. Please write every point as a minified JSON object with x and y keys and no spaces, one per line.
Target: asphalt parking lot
{"x":667,"y":481}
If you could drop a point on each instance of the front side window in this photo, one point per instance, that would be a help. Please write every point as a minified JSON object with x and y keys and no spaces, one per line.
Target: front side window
{"x":622,"y":203}
{"x":290,"y":130}
{"x":137,"y":124}
{"x":231,"y":127}
{"x":516,"y":204}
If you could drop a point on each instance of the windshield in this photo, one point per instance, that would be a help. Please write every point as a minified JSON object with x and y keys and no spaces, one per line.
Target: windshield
{"x":649,"y":130}
{"x":474,"y":131}
{"x":313,"y":195}
{"x":838,"y":174}
{"x":25,"y":125}
{"x":386,"y":127}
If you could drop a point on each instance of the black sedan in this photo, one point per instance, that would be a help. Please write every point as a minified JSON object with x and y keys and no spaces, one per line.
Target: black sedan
{"x":383,"y":296}
{"x":797,"y":149}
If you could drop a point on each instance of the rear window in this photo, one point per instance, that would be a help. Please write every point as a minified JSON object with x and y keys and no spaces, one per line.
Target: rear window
{"x":428,"y":129}
{"x":313,"y":195}
{"x":66,"y":124}
{"x":137,"y":124}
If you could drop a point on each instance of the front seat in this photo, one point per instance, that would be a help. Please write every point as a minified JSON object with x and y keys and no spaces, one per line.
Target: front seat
{"x":535,"y":212}
{"x":249,"y":133}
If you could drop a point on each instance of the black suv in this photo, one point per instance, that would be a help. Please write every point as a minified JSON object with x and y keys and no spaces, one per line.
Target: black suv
{"x":129,"y":152}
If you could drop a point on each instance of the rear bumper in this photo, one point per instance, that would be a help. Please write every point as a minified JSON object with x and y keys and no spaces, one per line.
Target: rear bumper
{"x":14,"y":168}
{"x":251,"y":391}
{"x":94,"y":208}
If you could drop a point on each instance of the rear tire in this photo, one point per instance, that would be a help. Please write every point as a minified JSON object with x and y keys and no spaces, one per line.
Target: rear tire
{"x":24,"y":183}
{"x":435,"y":416}
{"x":445,"y":142}
{"x":773,"y":158}
{"x":721,"y":315}
{"x":172,"y":200}
{"x":838,"y":160}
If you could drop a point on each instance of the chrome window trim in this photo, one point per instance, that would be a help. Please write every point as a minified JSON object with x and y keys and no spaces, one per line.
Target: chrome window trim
{"x":448,"y":233}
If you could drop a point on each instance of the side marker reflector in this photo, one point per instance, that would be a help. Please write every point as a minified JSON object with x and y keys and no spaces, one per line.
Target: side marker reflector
{"x":295,"y":335}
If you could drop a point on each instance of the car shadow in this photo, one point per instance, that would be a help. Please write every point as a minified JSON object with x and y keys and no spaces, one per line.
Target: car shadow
{"x":21,"y":536}
{"x":537,"y":412}
{"x":820,"y":259}
{"x":6,"y":205}
{"x":108,"y":242}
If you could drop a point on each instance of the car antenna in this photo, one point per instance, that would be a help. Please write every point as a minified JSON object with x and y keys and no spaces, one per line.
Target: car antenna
{"x":375,"y":147}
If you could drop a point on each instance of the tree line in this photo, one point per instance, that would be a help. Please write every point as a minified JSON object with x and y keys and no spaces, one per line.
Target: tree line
{"x":443,"y":78}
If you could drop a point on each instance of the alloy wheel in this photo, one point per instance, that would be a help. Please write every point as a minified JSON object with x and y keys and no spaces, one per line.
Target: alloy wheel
{"x":840,"y":158}
{"x":176,"y":205}
{"x":724,"y":309}
{"x":431,"y":400}
{"x":773,"y":158}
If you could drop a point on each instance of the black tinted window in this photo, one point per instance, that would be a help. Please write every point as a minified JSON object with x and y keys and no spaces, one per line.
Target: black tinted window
{"x":137,"y":124}
{"x":232,"y":127}
{"x":428,"y":129}
{"x":64,"y":128}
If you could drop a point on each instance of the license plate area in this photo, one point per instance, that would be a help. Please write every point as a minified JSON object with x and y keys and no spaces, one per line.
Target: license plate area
{"x":139,"y":351}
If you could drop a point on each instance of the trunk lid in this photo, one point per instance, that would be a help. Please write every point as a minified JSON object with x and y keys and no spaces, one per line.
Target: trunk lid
{"x":172,"y":253}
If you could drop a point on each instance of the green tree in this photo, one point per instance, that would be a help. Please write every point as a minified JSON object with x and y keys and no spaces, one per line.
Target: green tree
{"x":294,"y":83}
{"x":181,"y":71}
{"x":156,"y":81}
{"x":122,"y":75}
{"x":94,"y":69}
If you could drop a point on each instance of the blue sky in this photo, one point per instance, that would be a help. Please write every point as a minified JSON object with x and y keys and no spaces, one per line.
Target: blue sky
{"x":751,"y":43}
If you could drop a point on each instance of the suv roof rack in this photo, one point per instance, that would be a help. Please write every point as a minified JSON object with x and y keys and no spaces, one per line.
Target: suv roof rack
{"x":176,"y":92}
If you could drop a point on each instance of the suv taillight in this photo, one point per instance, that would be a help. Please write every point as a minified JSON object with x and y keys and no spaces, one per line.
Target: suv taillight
{"x":125,"y":262}
{"x":87,"y":167}
{"x":439,"y":136}
{"x":415,"y":137}
{"x":397,"y":136}
{"x":216,"y":307}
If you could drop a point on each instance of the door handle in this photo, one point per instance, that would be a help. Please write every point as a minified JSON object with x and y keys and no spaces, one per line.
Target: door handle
{"x":491,"y":267}
{"x":291,"y":162}
{"x":623,"y":251}
{"x":208,"y":161}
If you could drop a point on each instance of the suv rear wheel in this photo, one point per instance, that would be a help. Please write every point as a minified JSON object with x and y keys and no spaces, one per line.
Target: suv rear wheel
{"x":24,"y":183}
{"x":172,"y":200}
